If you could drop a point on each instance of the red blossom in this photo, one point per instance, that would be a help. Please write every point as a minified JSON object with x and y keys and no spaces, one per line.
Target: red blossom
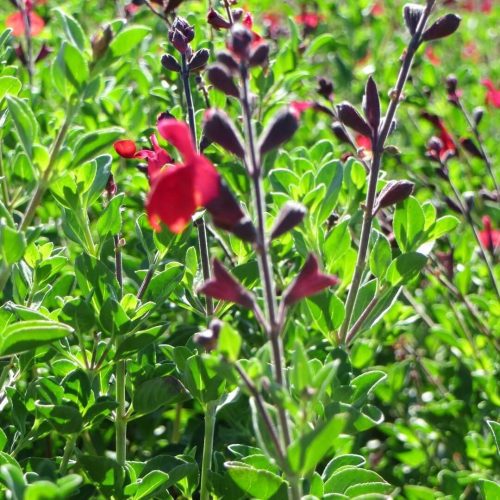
{"x":179,"y":190}
{"x":490,"y":238}
{"x":309,"y":20}
{"x":447,"y":146}
{"x":485,"y":6}
{"x":156,"y":158}
{"x":492,"y":94}
{"x":310,"y":281}
{"x":16,"y":23}
{"x":431,"y":55}
{"x":377,"y":9}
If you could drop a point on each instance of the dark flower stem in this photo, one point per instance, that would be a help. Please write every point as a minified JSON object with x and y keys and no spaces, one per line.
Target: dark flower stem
{"x":29,"y":43}
{"x":265,"y":266}
{"x":229,"y":12}
{"x":157,"y":13}
{"x":378,"y":150}
{"x":208,"y":444}
{"x":468,"y":218}
{"x":482,"y":149}
{"x":200,"y":223}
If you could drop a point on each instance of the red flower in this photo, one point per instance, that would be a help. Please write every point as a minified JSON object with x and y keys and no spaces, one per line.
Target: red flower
{"x":273,"y":24}
{"x":179,"y":190}
{"x":223,"y":286}
{"x":156,"y":158}
{"x":377,"y":9}
{"x":446,"y":146}
{"x":492,"y":94}
{"x":490,"y":238}
{"x":433,"y":58}
{"x":309,"y":20}
{"x":16,"y":23}
{"x":310,"y":281}
{"x":485,"y":6}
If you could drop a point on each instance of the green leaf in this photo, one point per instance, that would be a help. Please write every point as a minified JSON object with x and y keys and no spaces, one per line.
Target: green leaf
{"x":113,"y":318}
{"x":24,"y":122}
{"x":301,"y":373}
{"x":110,"y":221}
{"x":92,"y":143}
{"x":495,"y":430}
{"x":331,"y":176}
{"x":105,"y":472}
{"x":405,"y":267}
{"x":338,"y":241}
{"x":489,"y":489}
{"x":133,"y":343}
{"x":380,"y":256}
{"x":13,"y":245}
{"x":73,"y":32}
{"x":365,"y":383}
{"x":164,"y":282}
{"x":158,"y":393}
{"x":9,"y":85}
{"x":341,"y":461}
{"x":148,"y":486}
{"x":128,"y":39}
{"x":408,"y":224}
{"x":257,"y":483}
{"x":65,"y":419}
{"x":444,"y":225}
{"x":347,"y":477}
{"x":26,"y":335}
{"x":229,"y":342}
{"x":310,"y":448}
{"x":69,"y":70}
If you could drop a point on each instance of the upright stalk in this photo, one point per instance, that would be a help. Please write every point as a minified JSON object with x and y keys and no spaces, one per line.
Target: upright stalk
{"x":208,"y":445}
{"x":200,"y":223}
{"x":29,"y":43}
{"x":68,"y":451}
{"x":378,"y":150}
{"x":121,"y":413}
{"x":265,"y":269}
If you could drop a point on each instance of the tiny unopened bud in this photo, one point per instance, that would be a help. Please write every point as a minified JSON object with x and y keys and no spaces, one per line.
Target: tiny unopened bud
{"x":217,"y":21}
{"x":280,"y":129}
{"x":451,"y":84}
{"x":199,"y":59}
{"x":371,"y":104}
{"x":351,"y":118}
{"x":220,"y":77}
{"x":100,"y":43}
{"x":170,"y":62}
{"x":245,"y":230}
{"x":470,"y":146}
{"x":45,"y":51}
{"x":111,"y":186}
{"x":290,"y":215}
{"x":259,"y":56}
{"x":477,"y":115}
{"x":443,"y":27}
{"x":453,"y":205}
{"x":227,"y":60}
{"x":412,"y":13}
{"x":325,"y":88}
{"x":219,"y":128}
{"x":392,"y":150}
{"x":393,"y":192}
{"x":240,"y":41}
{"x":208,"y":338}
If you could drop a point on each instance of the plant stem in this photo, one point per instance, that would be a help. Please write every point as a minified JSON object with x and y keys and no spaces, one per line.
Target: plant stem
{"x":468,"y":218}
{"x":263,"y":255}
{"x":351,"y":334}
{"x":484,"y":153}
{"x":378,"y":150}
{"x":208,"y":445}
{"x":29,"y":43}
{"x":229,"y":12}
{"x":4,"y":181}
{"x":176,"y":435}
{"x":68,"y":452}
{"x":118,"y":262}
{"x":121,"y":414}
{"x":189,"y":98}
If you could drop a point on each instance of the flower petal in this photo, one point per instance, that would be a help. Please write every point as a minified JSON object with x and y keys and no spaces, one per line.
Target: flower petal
{"x":16,"y":23}
{"x":206,"y":185}
{"x":171,"y":199}
{"x":125,"y":148}
{"x":178,"y":134}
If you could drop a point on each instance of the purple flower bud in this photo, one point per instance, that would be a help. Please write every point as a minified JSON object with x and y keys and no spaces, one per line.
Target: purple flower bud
{"x":393,"y":192}
{"x":45,"y":50}
{"x":412,"y":13}
{"x":325,"y":88}
{"x":223,"y":286}
{"x":220,"y":77}
{"x":217,"y":21}
{"x":227,"y":60}
{"x":208,"y":338}
{"x":371,"y":104}
{"x":245,"y":230}
{"x":443,"y":27}
{"x":170,"y":62}
{"x":259,"y":56}
{"x":310,"y":281}
{"x":477,"y":115}
{"x":340,"y":133}
{"x":351,"y":118}
{"x":470,"y":146}
{"x":291,"y":214}
{"x":100,"y":43}
{"x":452,"y":205}
{"x":199,"y":59}
{"x":240,"y":41}
{"x":111,"y":186}
{"x":279,"y":130}
{"x":184,"y":27}
{"x":179,"y":41}
{"x":219,"y":128}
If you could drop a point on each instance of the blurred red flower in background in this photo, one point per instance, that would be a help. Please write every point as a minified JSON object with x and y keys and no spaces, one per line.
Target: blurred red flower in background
{"x":492,"y":94}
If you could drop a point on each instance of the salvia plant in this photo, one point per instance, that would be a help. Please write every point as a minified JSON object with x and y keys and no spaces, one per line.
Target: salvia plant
{"x":248,"y":251}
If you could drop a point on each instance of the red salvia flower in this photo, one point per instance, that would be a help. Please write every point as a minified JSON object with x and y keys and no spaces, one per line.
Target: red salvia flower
{"x":490,"y":238}
{"x":223,"y":286}
{"x":492,"y":94}
{"x":448,"y":147}
{"x":309,"y":20}
{"x":16,"y":23}
{"x":310,"y":281}
{"x":156,"y":158}
{"x":431,"y":55}
{"x":179,"y":190}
